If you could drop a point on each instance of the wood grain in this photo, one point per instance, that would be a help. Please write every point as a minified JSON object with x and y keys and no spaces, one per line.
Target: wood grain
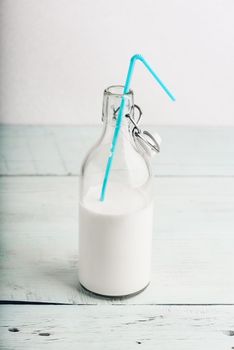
{"x":59,"y":150}
{"x":116,"y":327}
{"x":193,"y":250}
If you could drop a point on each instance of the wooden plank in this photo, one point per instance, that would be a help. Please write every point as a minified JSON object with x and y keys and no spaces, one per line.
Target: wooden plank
{"x":116,"y":327}
{"x":59,"y":150}
{"x":193,"y":250}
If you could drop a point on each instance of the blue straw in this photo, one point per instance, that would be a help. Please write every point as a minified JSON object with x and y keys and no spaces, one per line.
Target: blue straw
{"x":120,"y":114}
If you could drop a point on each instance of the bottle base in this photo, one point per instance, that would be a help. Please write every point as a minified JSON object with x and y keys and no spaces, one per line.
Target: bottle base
{"x":115,"y":296}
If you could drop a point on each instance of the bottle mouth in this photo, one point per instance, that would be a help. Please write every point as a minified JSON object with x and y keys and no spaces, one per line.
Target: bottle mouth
{"x":117,"y":90}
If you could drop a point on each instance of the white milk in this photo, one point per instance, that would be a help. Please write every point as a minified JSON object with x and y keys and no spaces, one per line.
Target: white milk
{"x":115,"y":241}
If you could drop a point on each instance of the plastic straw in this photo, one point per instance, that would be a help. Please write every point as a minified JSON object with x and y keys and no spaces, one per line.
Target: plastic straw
{"x":120,"y":114}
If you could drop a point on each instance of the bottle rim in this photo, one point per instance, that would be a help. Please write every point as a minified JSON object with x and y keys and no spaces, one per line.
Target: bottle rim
{"x":117,"y":90}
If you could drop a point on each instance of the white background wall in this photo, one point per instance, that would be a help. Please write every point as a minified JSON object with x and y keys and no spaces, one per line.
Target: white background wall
{"x":57,"y":56}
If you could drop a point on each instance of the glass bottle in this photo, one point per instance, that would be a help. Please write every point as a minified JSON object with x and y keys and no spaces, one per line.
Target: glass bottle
{"x":115,"y":235}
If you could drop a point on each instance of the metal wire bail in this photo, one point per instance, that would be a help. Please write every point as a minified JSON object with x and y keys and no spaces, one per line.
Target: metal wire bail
{"x":142,"y":138}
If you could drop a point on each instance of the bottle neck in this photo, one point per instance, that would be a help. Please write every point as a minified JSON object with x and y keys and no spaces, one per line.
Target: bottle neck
{"x":111,"y":104}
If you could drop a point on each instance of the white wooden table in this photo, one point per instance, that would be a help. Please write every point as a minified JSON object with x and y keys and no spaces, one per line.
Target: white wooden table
{"x":190,"y":301}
